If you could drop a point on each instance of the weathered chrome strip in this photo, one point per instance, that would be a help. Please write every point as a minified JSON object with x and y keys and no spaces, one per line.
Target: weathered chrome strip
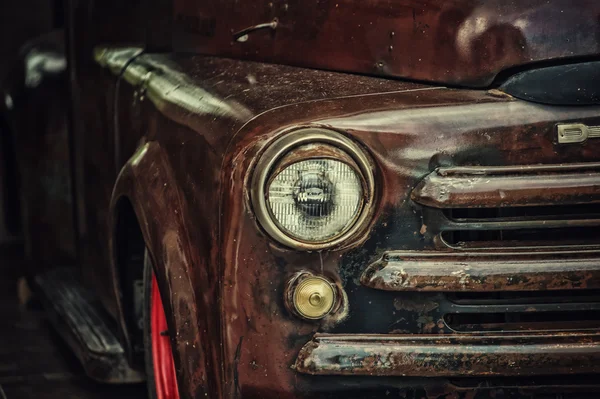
{"x":115,"y":58}
{"x":483,"y":272}
{"x":451,"y":356}
{"x":511,"y":186}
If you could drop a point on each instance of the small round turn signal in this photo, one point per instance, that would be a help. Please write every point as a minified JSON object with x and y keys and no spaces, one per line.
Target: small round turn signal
{"x":314,"y":297}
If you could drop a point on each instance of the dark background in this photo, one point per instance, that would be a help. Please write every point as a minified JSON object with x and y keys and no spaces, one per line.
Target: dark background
{"x":20,"y":21}
{"x":34,"y":362}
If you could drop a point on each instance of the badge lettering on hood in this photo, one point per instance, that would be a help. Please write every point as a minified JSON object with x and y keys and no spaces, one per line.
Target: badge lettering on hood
{"x":576,"y":133}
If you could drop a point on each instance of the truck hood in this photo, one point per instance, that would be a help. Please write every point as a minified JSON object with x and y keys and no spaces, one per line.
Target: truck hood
{"x":453,"y":42}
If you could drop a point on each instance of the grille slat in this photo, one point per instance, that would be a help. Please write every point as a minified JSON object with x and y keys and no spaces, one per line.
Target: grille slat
{"x":451,"y":271}
{"x":508,"y":241}
{"x":516,"y":186}
{"x":521,"y":207}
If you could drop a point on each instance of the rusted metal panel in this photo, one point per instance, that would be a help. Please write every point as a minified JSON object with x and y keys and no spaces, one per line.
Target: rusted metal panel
{"x":502,"y":271}
{"x":450,"y":356}
{"x":471,"y":187}
{"x":408,"y":135}
{"x":462,"y":42}
{"x":193,"y":126}
{"x":177,"y":115}
{"x":233,"y":333}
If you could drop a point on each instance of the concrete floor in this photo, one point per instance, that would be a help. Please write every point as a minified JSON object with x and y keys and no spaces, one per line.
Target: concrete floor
{"x":34,"y":362}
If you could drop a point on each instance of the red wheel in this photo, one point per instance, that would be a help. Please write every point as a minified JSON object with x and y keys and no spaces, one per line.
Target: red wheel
{"x":165,"y":379}
{"x":160,"y":367}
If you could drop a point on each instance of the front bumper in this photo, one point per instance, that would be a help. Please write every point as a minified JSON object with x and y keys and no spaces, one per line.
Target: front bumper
{"x":451,"y":356}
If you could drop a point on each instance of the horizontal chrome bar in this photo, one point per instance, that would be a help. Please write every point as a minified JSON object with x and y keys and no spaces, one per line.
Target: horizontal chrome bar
{"x":484,"y":271}
{"x":451,"y":356}
{"x":490,"y":187}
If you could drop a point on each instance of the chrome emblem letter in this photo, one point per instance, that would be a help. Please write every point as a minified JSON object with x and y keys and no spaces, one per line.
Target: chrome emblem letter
{"x":576,"y":133}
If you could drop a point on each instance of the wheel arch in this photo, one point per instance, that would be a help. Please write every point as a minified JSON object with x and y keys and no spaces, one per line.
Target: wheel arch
{"x":128,"y":253}
{"x":148,"y":208}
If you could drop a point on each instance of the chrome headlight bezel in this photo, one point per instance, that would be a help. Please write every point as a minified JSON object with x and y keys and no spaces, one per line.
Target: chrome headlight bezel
{"x":271,"y":160}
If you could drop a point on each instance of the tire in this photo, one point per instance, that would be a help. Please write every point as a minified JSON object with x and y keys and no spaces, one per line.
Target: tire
{"x":160,"y":368}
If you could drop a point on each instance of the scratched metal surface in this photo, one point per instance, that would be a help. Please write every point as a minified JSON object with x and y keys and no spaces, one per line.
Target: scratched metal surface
{"x":223,"y":259}
{"x":185,"y":136}
{"x":462,"y":42}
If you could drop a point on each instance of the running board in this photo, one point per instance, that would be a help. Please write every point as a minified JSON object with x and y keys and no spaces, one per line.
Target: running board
{"x":84,"y":325}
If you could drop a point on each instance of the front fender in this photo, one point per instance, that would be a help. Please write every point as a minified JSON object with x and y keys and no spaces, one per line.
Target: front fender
{"x":190,"y":297}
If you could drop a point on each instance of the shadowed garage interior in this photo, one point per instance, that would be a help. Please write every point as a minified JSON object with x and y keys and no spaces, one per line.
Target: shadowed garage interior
{"x":34,"y":361}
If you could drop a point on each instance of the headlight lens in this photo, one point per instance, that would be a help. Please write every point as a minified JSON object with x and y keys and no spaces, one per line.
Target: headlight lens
{"x":315,"y":200}
{"x":313,"y":189}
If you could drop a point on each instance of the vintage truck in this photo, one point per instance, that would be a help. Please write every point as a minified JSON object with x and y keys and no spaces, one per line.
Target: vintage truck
{"x":301,"y":199}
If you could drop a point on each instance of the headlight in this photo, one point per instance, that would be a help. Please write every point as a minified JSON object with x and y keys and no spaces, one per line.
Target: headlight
{"x":312,"y":189}
{"x":315,"y":200}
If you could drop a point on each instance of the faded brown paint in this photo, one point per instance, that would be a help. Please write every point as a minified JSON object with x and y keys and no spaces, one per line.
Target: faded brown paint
{"x":186,"y":174}
{"x":179,"y":135}
{"x":176,"y":129}
{"x":260,"y":339}
{"x":146,"y":181}
{"x":461,"y":42}
{"x":405,"y":133}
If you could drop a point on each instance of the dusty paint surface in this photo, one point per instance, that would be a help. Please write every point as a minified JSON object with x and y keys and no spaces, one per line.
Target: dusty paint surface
{"x":462,"y":42}
{"x":227,"y":279}
{"x":178,"y":137}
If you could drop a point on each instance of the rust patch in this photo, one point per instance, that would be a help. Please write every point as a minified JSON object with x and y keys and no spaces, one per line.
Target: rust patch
{"x":472,"y":187}
{"x":415,"y":305}
{"x":451,"y":356}
{"x":482,"y":271}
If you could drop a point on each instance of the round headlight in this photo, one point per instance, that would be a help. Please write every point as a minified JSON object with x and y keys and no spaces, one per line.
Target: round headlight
{"x":312,"y":189}
{"x":315,"y":200}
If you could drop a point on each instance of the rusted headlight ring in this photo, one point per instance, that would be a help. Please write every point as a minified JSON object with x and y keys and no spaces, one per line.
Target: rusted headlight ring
{"x":283,"y":146}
